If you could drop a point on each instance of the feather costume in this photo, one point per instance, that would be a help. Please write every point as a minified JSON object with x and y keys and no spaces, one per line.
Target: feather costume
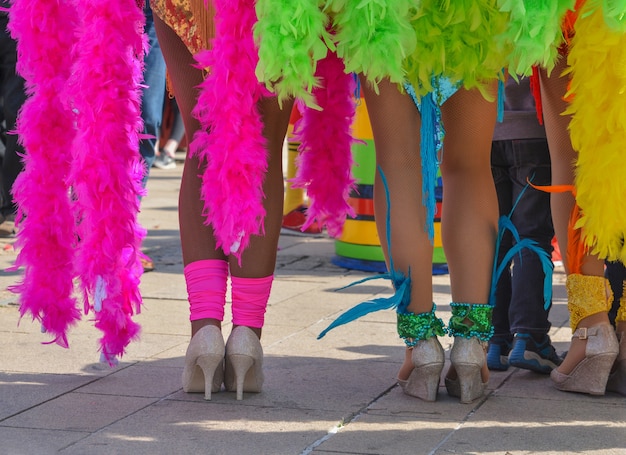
{"x":373,"y":37}
{"x":535,"y":28}
{"x":455,"y":41}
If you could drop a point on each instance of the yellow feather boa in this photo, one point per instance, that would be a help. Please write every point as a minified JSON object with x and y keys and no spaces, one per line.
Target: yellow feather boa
{"x":597,"y":61}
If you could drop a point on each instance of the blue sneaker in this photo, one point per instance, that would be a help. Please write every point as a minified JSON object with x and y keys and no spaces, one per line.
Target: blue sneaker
{"x":530,"y":355}
{"x":497,"y":354}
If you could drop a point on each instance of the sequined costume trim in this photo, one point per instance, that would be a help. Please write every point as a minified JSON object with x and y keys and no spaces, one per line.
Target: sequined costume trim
{"x":190,"y":19}
{"x":587,"y":295}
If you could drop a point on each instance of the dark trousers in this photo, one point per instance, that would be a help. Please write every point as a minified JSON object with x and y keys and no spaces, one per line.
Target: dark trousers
{"x":519,"y":294}
{"x":616,"y":274}
{"x":13,"y":97}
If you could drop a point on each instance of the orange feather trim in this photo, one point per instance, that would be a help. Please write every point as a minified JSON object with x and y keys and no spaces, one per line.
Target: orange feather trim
{"x":576,"y":249}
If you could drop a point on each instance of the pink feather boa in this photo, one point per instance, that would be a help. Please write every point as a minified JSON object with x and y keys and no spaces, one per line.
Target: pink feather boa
{"x":95,"y":113}
{"x":235,"y":150}
{"x":45,"y":238}
{"x":325,"y":161}
{"x":107,"y":170}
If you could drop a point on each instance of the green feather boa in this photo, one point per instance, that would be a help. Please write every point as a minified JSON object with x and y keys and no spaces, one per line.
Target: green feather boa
{"x":292,"y":37}
{"x":535,"y":29}
{"x":456,"y":41}
{"x":373,"y":36}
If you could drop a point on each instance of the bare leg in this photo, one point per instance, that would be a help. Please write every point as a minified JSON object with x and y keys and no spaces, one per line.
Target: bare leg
{"x":563,"y":157}
{"x":396,"y":124}
{"x":470,"y":210}
{"x":259,"y":259}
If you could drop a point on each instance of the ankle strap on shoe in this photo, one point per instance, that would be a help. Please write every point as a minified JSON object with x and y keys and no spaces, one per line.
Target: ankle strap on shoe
{"x":415,"y":327}
{"x":583,"y":333}
{"x":471,"y":320}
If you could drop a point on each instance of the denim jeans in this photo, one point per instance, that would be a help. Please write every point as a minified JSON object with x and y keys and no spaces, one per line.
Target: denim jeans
{"x":519,"y":294}
{"x":153,"y":95}
{"x":13,"y":97}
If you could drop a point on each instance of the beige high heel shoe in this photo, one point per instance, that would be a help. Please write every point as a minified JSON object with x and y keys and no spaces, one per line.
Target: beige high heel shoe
{"x":244,"y":362}
{"x":468,"y":358}
{"x":470,"y":325}
{"x":617,"y":379}
{"x":428,"y":358}
{"x":204,"y":362}
{"x":592,"y":373}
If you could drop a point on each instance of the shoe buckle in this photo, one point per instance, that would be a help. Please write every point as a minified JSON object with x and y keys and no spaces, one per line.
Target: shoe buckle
{"x":583,"y":333}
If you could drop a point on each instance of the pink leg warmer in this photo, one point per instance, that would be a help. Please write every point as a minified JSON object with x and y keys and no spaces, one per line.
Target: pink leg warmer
{"x":250,"y":296}
{"x":206,"y":288}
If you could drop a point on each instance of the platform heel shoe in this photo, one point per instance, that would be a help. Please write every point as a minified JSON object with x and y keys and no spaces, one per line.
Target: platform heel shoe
{"x":204,"y":362}
{"x":586,"y":296}
{"x":420,"y":332}
{"x":470,"y":325}
{"x":592,"y":373}
{"x":244,"y":362}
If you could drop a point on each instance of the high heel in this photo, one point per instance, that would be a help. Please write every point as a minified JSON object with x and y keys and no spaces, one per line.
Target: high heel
{"x":244,"y":362}
{"x":204,"y":362}
{"x":428,"y":358}
{"x":467,"y":358}
{"x":617,"y":379}
{"x":419,"y":332}
{"x":592,"y":373}
{"x":470,"y":325}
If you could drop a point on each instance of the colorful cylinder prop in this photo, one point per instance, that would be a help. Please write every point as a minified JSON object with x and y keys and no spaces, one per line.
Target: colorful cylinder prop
{"x":359,"y":245}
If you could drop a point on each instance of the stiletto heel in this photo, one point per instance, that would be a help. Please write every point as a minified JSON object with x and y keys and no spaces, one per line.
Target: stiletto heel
{"x":420,"y":332}
{"x":470,"y":325}
{"x":617,"y":379}
{"x":244,"y":362}
{"x":467,"y":358}
{"x":240,"y":364}
{"x":428,"y":358}
{"x":204,"y":362}
{"x":592,"y":373}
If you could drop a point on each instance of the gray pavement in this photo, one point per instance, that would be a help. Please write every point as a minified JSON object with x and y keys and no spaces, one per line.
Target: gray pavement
{"x":337,"y":395}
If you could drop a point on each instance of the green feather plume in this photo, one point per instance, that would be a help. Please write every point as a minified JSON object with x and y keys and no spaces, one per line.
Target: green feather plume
{"x":292,"y":37}
{"x":373,"y":36}
{"x":456,"y":41}
{"x":534,"y":31}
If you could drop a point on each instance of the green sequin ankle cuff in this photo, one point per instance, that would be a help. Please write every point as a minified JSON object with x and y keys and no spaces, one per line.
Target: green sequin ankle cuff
{"x":415,"y":327}
{"x":471,"y":320}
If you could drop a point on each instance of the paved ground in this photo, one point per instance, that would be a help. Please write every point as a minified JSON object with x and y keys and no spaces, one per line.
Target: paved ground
{"x":337,"y":395}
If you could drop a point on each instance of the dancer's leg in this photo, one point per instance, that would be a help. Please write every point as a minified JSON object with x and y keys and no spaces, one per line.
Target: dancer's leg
{"x":197,"y":240}
{"x":563,"y":157}
{"x":259,"y":259}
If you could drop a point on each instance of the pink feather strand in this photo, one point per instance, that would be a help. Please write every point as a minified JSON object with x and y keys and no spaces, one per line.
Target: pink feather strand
{"x":230,"y":143}
{"x":106,"y":170}
{"x":46,"y":238}
{"x":325,"y":160}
